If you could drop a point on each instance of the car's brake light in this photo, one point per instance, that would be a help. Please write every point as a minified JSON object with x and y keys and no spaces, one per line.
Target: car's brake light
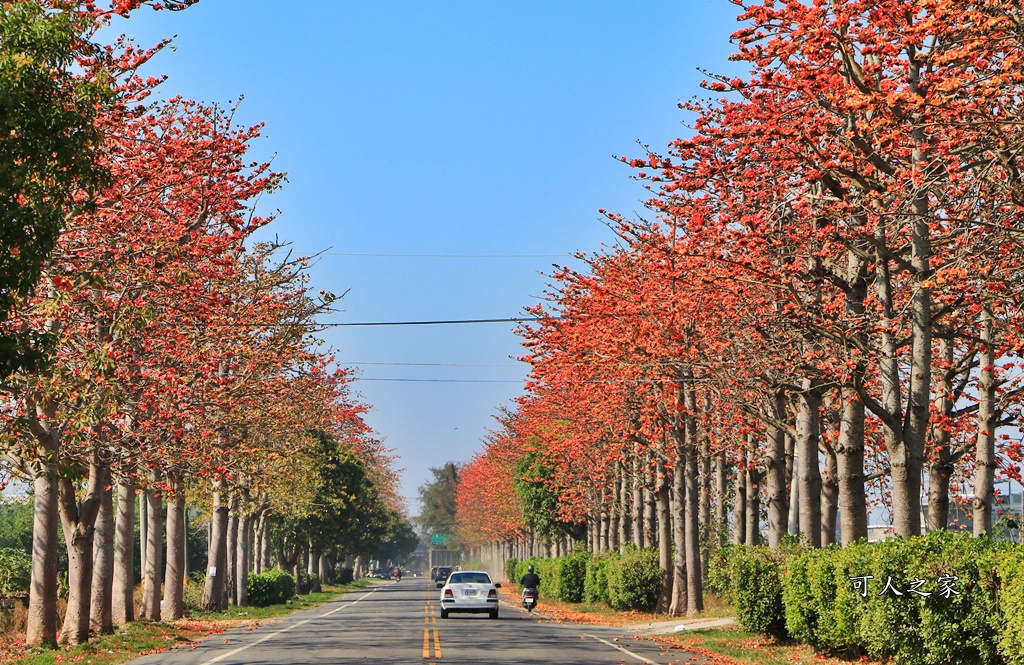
{"x":493,"y":593}
{"x":448,"y":592}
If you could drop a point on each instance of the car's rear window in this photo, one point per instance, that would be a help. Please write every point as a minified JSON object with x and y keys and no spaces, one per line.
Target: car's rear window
{"x":470,"y":578}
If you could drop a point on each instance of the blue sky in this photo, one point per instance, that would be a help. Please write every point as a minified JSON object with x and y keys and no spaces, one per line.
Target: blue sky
{"x":482,"y":130}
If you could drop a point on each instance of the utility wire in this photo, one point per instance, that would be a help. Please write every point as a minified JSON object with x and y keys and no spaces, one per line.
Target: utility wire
{"x":450,"y":256}
{"x":439,"y":323}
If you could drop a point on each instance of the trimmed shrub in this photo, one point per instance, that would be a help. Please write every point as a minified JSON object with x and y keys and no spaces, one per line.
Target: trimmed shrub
{"x":756,"y":589}
{"x":510,"y":570}
{"x":1011,"y":602}
{"x":887,"y":600}
{"x":572,"y":576}
{"x":345,"y":575}
{"x":272,"y":587}
{"x":634,"y":580}
{"x":719,"y":577}
{"x":15,"y":572}
{"x":595,"y":586}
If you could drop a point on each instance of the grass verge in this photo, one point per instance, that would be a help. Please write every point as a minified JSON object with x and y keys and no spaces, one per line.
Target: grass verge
{"x":141,"y":639}
{"x":728,"y":645}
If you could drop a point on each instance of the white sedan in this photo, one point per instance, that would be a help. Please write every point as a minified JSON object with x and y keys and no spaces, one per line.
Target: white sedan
{"x":469,"y":591}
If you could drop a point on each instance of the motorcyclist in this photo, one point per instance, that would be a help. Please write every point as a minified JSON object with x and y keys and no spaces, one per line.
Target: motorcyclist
{"x":530,"y":580}
{"x":398,"y":574}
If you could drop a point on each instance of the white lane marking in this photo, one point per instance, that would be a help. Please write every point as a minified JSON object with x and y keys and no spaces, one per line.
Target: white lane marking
{"x":283,"y":630}
{"x":624,"y":650}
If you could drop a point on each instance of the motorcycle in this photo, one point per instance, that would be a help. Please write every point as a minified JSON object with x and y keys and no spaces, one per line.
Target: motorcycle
{"x":529,"y":599}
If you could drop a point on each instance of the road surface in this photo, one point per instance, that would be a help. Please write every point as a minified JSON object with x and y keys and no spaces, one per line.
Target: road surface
{"x":399,"y":623}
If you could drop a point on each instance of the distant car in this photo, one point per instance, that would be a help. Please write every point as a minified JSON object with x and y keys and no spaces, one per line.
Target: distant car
{"x":380,"y":573}
{"x":441,"y":574}
{"x":469,"y":591}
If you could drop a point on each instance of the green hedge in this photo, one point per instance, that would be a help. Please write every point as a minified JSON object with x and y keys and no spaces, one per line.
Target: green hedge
{"x":510,"y":570}
{"x":811,"y":596}
{"x":272,"y":587}
{"x":755,"y":588}
{"x":634,"y":579}
{"x":629,"y":581}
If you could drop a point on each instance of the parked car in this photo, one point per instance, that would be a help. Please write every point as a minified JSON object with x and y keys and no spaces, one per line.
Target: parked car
{"x":441,"y":574}
{"x":469,"y":591}
{"x":380,"y":573}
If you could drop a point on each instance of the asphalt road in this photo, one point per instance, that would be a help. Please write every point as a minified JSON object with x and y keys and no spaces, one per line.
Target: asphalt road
{"x":400,"y":623}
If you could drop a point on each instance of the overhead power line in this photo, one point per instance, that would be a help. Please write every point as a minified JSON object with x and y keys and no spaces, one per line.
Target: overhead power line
{"x":450,"y":256}
{"x":442,"y":322}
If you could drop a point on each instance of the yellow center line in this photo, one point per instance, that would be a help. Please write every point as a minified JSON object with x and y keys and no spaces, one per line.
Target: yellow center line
{"x":437,"y":645}
{"x":426,"y":643}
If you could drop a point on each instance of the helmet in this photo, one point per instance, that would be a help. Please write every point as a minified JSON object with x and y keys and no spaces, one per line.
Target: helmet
{"x":529,"y":569}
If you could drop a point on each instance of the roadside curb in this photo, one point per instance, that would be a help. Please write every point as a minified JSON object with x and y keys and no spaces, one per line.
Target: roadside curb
{"x":665,"y":627}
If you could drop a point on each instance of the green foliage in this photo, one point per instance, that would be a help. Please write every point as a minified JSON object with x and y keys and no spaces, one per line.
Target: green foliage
{"x":540,"y":500}
{"x":718,"y":578}
{"x":47,"y":116}
{"x":1011,"y":604}
{"x":510,"y":569}
{"x":16,"y":526}
{"x":595,"y":587}
{"x":756,"y":589}
{"x":305,"y":583}
{"x":15,"y":572}
{"x":572,"y":574}
{"x":438,"y":500}
{"x":809,"y":593}
{"x":547,"y":570}
{"x":980,"y":624}
{"x":345,"y":575}
{"x":634,"y":579}
{"x":272,"y":587}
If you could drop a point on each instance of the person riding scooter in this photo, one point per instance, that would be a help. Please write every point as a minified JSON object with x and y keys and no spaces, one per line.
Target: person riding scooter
{"x":530,"y":583}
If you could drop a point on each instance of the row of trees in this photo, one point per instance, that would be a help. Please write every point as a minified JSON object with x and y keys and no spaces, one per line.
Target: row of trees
{"x":824,"y":314}
{"x":151,"y":345}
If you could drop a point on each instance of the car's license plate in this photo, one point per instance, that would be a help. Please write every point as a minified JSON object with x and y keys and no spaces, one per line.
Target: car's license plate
{"x":469,"y":592}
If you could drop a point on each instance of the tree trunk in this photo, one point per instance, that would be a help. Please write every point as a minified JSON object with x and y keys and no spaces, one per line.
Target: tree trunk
{"x":637,"y":505}
{"x":101,"y":620}
{"x":721,"y":500}
{"x":940,"y":468}
{"x":850,"y":469}
{"x":985,"y":454}
{"x":662,"y":501}
{"x":244,"y":551}
{"x":232,"y":570}
{"x":123,"y":600}
{"x":808,"y":426}
{"x":154,"y":555}
{"x":850,"y":444}
{"x":313,"y":568}
{"x":42,"y":600}
{"x":604,"y":543}
{"x":677,"y":498}
{"x":215,"y":591}
{"x":829,"y":498}
{"x":624,"y":496}
{"x":650,"y":509}
{"x":739,"y":508}
{"x":79,"y":525}
{"x":694,"y":578}
{"x":174,"y":572}
{"x":778,"y":493}
{"x":753,"y":528}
